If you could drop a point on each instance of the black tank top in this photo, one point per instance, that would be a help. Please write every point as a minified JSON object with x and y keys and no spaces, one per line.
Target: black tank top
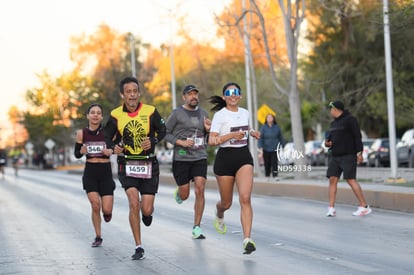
{"x":94,"y":142}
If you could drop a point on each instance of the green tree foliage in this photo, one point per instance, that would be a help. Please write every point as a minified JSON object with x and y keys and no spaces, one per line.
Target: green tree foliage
{"x":347,"y":61}
{"x":58,"y":104}
{"x":41,"y":127}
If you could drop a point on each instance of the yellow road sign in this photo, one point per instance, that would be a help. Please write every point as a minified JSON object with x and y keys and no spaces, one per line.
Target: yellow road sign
{"x":263,"y":111}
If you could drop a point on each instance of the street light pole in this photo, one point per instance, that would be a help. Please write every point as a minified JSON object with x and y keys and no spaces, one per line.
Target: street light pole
{"x":390,"y":93}
{"x":173,"y":91}
{"x":132,"y":48}
{"x":247,"y":59}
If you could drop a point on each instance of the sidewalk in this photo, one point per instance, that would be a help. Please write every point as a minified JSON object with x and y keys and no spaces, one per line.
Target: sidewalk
{"x":377,"y":192}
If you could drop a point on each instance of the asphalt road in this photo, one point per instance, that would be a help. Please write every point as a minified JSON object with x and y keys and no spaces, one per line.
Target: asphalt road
{"x":45,"y":228}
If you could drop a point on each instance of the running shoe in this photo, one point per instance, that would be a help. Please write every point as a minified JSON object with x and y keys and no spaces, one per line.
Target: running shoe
{"x":107,"y":217}
{"x":147,"y":220}
{"x":249,"y":246}
{"x":362,"y":211}
{"x":177,"y":197}
{"x":139,"y":254}
{"x":331,"y":212}
{"x":97,"y":242}
{"x":220,"y":226}
{"x":198,"y":233}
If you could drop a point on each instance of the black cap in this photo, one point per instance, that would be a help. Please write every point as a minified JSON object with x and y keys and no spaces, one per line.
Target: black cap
{"x":189,"y":88}
{"x":336,"y":104}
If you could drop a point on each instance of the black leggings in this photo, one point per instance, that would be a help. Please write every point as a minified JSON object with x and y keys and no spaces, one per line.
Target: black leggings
{"x":270,"y":163}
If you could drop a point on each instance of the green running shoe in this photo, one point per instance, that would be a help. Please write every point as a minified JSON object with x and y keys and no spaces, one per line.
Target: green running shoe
{"x":177,"y":197}
{"x":220,"y":226}
{"x":198,"y":233}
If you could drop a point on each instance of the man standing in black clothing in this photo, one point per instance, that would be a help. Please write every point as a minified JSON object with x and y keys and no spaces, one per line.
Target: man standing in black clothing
{"x":344,"y":141}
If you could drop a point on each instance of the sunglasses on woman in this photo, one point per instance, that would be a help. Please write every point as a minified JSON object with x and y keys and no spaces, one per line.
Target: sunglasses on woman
{"x":230,"y":92}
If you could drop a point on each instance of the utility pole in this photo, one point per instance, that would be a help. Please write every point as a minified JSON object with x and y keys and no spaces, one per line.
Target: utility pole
{"x":132,"y":49}
{"x":246,"y":42}
{"x":390,"y":93}
{"x":173,"y":90}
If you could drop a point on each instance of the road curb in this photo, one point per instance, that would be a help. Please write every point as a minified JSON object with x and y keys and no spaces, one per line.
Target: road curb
{"x":384,"y":199}
{"x":378,"y":196}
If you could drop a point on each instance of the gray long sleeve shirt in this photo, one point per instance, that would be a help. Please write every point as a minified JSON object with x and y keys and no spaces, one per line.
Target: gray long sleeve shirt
{"x":183,"y":124}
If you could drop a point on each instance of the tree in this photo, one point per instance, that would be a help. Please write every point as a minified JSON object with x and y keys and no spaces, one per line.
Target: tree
{"x":293,"y":13}
{"x":19,"y":133}
{"x":347,"y":61}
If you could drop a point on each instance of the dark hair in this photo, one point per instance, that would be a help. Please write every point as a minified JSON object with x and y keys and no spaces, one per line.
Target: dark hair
{"x":126,"y":80}
{"x":231,"y":84}
{"x":219,"y":102}
{"x":273,"y":116}
{"x":94,"y":105}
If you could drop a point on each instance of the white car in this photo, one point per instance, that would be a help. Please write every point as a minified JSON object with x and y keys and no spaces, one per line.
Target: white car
{"x":286,"y":154}
{"x":367,"y":143}
{"x":165,"y":156}
{"x":405,"y":149}
{"x":314,"y":152}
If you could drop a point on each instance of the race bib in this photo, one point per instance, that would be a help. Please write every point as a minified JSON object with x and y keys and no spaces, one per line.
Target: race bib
{"x":198,"y":141}
{"x":139,"y":169}
{"x":95,"y":148}
{"x":243,"y":141}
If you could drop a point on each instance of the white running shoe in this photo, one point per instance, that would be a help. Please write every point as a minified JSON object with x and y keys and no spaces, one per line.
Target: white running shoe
{"x":362,"y":211}
{"x":331,"y":212}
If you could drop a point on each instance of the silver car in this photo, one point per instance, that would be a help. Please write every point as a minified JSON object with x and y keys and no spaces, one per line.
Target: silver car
{"x":405,"y":149}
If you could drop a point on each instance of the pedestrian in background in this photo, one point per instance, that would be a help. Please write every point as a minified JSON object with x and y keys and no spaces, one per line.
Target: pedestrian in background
{"x":133,"y":130}
{"x":16,"y":155}
{"x":345,"y":144}
{"x":97,"y":177}
{"x":271,"y":139}
{"x":187,"y":128}
{"x":233,"y":163}
{"x":3,"y":161}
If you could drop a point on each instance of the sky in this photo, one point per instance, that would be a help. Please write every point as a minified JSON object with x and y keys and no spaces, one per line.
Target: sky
{"x":35,"y":34}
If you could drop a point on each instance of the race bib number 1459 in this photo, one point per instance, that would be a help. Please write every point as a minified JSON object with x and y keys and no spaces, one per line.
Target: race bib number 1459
{"x":139,"y":169}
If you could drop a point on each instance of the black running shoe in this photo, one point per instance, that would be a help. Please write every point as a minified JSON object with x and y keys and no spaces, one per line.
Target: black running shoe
{"x":97,"y":242}
{"x":139,"y":254}
{"x":147,"y":220}
{"x":107,"y":217}
{"x":249,"y":246}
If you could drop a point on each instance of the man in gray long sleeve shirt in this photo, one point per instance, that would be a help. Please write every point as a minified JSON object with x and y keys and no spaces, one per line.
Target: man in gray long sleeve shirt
{"x":187,"y":128}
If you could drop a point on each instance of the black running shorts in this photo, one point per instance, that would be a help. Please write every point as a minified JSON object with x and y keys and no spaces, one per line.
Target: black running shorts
{"x":229,"y":160}
{"x":185,"y":171}
{"x":346,"y":164}
{"x":144,"y":186}
{"x":97,"y":177}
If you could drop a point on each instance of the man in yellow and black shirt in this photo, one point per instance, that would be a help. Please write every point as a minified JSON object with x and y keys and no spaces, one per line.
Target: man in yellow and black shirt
{"x":132,"y":131}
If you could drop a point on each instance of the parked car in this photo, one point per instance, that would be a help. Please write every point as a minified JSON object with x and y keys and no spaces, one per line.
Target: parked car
{"x":314,"y":152}
{"x":405,"y":149}
{"x":326,"y":152}
{"x":165,"y":156}
{"x":379,"y":153}
{"x":287,"y":156}
{"x":367,"y":143}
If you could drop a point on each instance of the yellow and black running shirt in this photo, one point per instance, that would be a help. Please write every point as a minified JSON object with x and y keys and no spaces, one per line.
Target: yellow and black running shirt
{"x":131,"y":128}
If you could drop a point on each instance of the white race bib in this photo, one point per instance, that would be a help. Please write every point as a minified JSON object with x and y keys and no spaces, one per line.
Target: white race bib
{"x":95,"y":148}
{"x":139,"y":169}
